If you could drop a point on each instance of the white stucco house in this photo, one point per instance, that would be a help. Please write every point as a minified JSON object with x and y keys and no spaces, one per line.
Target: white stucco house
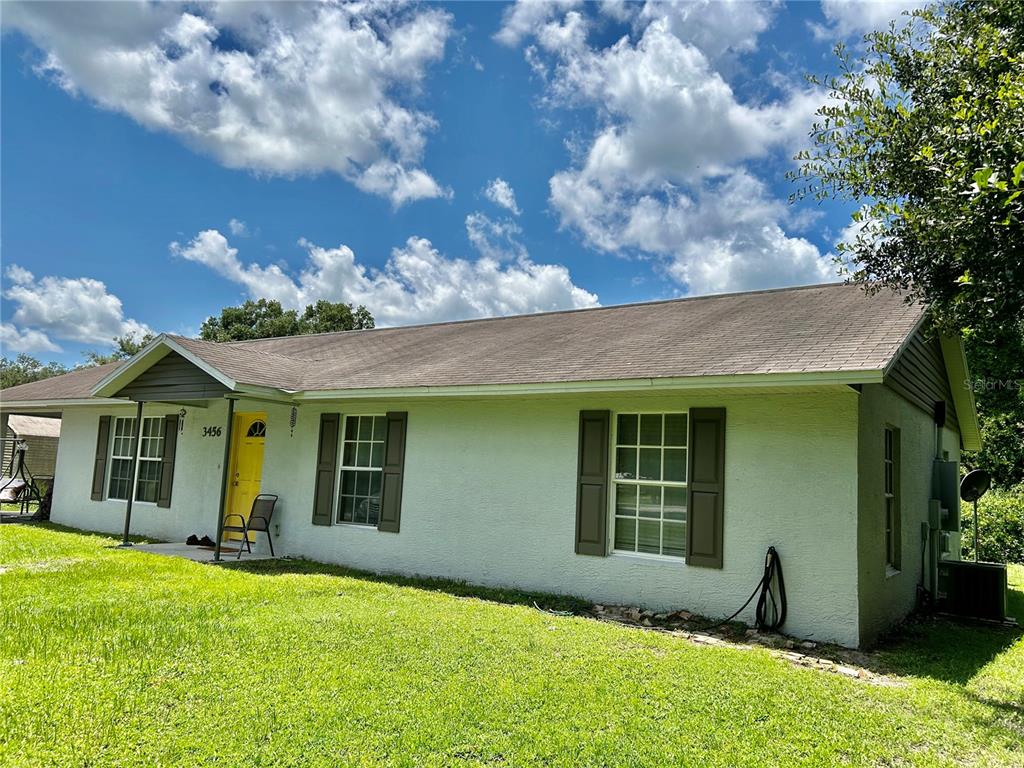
{"x":645,"y":454}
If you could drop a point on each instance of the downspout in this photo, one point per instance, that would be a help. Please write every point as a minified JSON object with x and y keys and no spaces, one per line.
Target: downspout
{"x":934,"y":505}
{"x":133,"y":473}
{"x":222,"y":509}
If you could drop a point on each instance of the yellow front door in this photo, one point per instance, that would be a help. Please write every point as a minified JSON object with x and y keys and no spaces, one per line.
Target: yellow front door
{"x":250,"y":431}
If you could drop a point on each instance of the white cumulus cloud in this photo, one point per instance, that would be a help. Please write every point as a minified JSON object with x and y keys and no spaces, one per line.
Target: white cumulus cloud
{"x":500,"y":192}
{"x":669,"y":114}
{"x":666,"y":172}
{"x":15,"y":340}
{"x":277,"y":88}
{"x":69,"y":309}
{"x":418,"y":284}
{"x":726,"y":236}
{"x":854,"y":18}
{"x":528,"y":17}
{"x":719,"y":28}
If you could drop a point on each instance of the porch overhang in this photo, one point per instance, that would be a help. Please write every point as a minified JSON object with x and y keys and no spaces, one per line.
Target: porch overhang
{"x":167,"y":371}
{"x":203,"y":384}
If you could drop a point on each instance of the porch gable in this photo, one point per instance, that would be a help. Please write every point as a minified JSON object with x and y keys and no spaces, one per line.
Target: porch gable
{"x":172,"y":378}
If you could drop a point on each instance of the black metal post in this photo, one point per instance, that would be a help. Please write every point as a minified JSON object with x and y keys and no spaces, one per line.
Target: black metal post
{"x":4,"y":440}
{"x":132,"y":474}
{"x":222,"y":509}
{"x":975,"y":530}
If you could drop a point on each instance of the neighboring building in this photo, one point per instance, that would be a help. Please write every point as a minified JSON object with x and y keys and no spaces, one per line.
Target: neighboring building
{"x":645,"y":454}
{"x":40,"y":435}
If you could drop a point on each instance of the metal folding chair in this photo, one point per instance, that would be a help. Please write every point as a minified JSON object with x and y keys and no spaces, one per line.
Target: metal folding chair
{"x":259,"y":520}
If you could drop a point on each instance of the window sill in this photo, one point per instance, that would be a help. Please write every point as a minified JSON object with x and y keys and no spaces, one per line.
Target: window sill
{"x":647,"y":556}
{"x":891,"y":572}
{"x":355,"y":526}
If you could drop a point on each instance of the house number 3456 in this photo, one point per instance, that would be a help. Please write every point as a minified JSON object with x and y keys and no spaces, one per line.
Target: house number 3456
{"x":211,"y":431}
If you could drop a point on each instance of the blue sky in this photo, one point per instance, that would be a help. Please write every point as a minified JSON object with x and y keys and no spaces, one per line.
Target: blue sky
{"x":433,"y":162}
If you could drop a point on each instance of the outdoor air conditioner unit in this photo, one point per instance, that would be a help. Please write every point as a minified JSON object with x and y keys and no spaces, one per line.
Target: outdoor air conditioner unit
{"x":976,"y":590}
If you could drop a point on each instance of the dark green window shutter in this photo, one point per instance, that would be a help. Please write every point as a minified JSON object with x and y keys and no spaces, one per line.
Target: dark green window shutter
{"x":163,"y":494}
{"x":394,"y":468}
{"x":706,"y":487}
{"x":592,"y":484}
{"x":326,"y":468}
{"x":99,"y":467}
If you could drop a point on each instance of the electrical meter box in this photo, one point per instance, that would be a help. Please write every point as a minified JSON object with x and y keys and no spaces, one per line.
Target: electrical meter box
{"x":946,"y":488}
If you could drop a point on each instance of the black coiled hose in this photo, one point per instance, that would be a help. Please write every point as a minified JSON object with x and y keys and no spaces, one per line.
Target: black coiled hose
{"x":775,"y":599}
{"x":772,"y":572}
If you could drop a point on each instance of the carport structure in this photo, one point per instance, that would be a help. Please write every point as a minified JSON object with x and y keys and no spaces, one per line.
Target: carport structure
{"x":48,"y":408}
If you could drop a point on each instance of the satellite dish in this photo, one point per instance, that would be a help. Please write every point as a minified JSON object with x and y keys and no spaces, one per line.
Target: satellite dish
{"x":972,"y":488}
{"x":974,"y":485}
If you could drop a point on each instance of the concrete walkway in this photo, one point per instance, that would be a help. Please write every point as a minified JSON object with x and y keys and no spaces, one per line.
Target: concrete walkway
{"x":200,"y":554}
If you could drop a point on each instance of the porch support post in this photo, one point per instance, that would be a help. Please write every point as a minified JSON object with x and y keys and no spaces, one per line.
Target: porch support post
{"x":133,"y":474}
{"x":222,"y":508}
{"x":4,"y":442}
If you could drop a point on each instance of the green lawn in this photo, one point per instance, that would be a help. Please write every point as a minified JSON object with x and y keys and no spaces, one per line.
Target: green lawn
{"x":111,"y":657}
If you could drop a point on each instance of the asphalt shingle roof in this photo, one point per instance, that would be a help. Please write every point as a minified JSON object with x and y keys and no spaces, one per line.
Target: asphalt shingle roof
{"x":795,"y":330}
{"x":71,"y":386}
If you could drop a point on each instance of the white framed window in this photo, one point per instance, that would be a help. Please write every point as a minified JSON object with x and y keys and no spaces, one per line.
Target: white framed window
{"x":649,"y":483}
{"x":362,"y":469}
{"x":151,"y":451}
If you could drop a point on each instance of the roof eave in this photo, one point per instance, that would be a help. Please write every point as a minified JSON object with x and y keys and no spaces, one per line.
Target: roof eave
{"x":9,"y":406}
{"x":955,"y":358}
{"x":730,"y":381}
{"x":264,"y":392}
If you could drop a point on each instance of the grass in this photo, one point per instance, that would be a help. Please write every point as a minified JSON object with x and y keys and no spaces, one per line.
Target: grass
{"x":112,"y":657}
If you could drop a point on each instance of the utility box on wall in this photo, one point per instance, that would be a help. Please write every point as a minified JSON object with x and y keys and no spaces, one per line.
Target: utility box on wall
{"x":946,"y":488}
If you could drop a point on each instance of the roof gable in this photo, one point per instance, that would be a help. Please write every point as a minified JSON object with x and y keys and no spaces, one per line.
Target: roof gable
{"x":918,"y":373}
{"x":172,"y":377}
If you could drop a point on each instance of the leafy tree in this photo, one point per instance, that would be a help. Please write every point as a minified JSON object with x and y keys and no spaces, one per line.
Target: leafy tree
{"x":251,"y":320}
{"x":326,"y":316}
{"x":24,"y":369}
{"x":124,"y":347}
{"x":1000,"y":526}
{"x":265,"y":318}
{"x":924,"y":132}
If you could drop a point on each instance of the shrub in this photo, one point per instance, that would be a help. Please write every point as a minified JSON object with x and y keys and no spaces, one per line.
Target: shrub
{"x":1000,"y":526}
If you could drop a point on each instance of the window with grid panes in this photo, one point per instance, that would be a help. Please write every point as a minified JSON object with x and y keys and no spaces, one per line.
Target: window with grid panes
{"x":362,"y":465}
{"x":151,"y":450}
{"x":649,"y":483}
